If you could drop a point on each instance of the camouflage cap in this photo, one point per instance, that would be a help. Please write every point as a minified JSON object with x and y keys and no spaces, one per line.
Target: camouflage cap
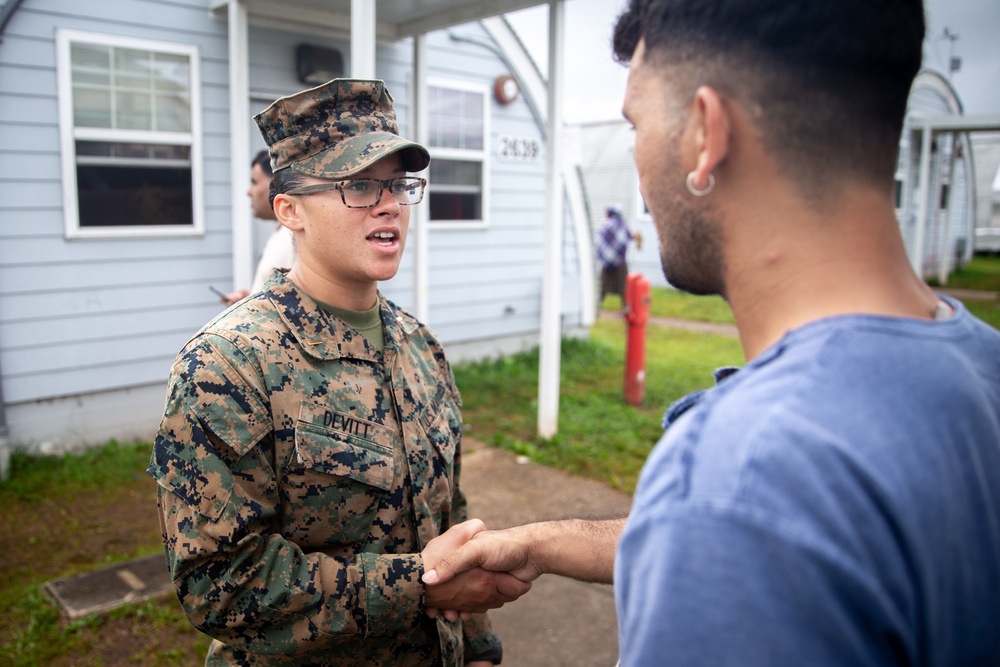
{"x":336,"y":130}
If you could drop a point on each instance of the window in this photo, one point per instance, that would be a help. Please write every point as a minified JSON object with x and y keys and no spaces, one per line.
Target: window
{"x":457,"y":185}
{"x":130,"y":133}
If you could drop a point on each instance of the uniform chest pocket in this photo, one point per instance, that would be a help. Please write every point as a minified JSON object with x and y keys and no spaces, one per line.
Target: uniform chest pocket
{"x":338,"y":454}
{"x":342,"y":475}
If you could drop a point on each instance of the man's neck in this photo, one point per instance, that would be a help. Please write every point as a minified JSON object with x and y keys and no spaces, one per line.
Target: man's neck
{"x":810,"y":266}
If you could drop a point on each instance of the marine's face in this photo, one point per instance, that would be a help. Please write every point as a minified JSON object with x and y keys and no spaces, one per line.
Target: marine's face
{"x":357,"y":246}
{"x":689,"y":236}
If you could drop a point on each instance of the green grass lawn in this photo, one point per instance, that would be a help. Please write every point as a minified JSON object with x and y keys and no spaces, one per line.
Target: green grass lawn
{"x":70,"y":514}
{"x":982,"y":273}
{"x":600,"y":436}
{"x":667,"y":302}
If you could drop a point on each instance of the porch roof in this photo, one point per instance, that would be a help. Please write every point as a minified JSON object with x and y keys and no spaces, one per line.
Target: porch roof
{"x":396,"y":19}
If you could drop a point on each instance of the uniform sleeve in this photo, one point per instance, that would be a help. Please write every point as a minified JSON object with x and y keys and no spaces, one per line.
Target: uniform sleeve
{"x":716,"y":586}
{"x":237,"y":578}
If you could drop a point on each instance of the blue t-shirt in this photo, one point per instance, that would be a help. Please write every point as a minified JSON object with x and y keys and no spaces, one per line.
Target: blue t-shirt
{"x":835,"y":502}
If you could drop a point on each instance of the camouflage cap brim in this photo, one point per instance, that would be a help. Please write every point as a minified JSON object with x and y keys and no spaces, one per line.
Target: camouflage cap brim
{"x":355,"y":154}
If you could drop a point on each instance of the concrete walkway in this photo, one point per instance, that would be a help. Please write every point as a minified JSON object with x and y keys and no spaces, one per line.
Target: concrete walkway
{"x":969,"y":294}
{"x":560,"y":621}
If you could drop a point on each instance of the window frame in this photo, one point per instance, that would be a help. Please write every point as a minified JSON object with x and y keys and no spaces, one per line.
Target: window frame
{"x":69,"y":134}
{"x":465,"y":155}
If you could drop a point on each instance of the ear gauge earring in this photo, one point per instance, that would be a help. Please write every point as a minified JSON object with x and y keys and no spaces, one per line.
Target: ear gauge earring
{"x":695,"y":191}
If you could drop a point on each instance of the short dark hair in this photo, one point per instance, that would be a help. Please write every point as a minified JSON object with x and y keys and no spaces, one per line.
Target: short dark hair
{"x":263,"y":160}
{"x":830,"y":78}
{"x":284,"y":180}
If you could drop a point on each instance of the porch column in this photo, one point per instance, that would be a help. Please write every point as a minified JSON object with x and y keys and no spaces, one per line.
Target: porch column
{"x":551,"y":324}
{"x":420,"y":215}
{"x":923,"y":194}
{"x":363,"y":39}
{"x":239,"y":144}
{"x":944,"y":242}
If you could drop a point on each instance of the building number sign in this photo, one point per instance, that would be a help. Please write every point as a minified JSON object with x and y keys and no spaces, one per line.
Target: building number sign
{"x":518,"y":149}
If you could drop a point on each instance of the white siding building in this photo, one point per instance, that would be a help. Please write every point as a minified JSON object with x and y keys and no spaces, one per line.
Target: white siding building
{"x":121,"y":203}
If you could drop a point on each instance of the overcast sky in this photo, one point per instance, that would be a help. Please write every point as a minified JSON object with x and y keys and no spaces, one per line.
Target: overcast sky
{"x":595,"y":84}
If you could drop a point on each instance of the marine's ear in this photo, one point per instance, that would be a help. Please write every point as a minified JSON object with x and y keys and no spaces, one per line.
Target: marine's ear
{"x":287,"y":209}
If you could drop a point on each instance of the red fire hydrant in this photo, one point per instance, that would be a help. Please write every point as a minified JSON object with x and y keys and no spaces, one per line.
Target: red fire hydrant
{"x":636,"y":316}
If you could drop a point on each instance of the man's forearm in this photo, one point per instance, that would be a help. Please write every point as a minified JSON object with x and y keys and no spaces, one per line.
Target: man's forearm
{"x":577,"y":548}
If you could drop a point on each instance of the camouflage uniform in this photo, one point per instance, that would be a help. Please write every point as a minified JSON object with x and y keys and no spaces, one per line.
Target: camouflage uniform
{"x":301,"y":472}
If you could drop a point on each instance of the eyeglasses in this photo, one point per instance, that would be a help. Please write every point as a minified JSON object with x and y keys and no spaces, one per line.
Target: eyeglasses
{"x":367,"y":192}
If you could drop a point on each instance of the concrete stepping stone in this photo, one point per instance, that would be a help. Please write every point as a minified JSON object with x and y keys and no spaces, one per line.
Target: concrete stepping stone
{"x":110,"y":587}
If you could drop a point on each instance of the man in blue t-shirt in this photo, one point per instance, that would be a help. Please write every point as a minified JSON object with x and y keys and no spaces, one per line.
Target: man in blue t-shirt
{"x":837,"y":500}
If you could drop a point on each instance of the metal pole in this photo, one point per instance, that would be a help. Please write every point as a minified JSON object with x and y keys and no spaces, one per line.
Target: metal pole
{"x":239,"y":143}
{"x":944,"y":250}
{"x":420,"y":215}
{"x":363,"y":39}
{"x":551,"y":324}
{"x":917,"y":259}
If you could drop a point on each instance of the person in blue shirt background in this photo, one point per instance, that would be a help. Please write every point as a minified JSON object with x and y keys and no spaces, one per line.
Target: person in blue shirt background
{"x":611,"y":248}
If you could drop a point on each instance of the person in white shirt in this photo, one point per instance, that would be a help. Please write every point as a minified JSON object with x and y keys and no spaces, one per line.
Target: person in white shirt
{"x":279,"y":251}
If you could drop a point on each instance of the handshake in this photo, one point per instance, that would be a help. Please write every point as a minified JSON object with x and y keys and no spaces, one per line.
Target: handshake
{"x":469,"y":569}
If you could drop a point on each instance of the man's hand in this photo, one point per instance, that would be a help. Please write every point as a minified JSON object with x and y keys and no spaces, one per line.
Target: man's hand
{"x":495,"y":551}
{"x":450,"y":541}
{"x":233,"y":297}
{"x":471,"y":589}
{"x":474,"y":591}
